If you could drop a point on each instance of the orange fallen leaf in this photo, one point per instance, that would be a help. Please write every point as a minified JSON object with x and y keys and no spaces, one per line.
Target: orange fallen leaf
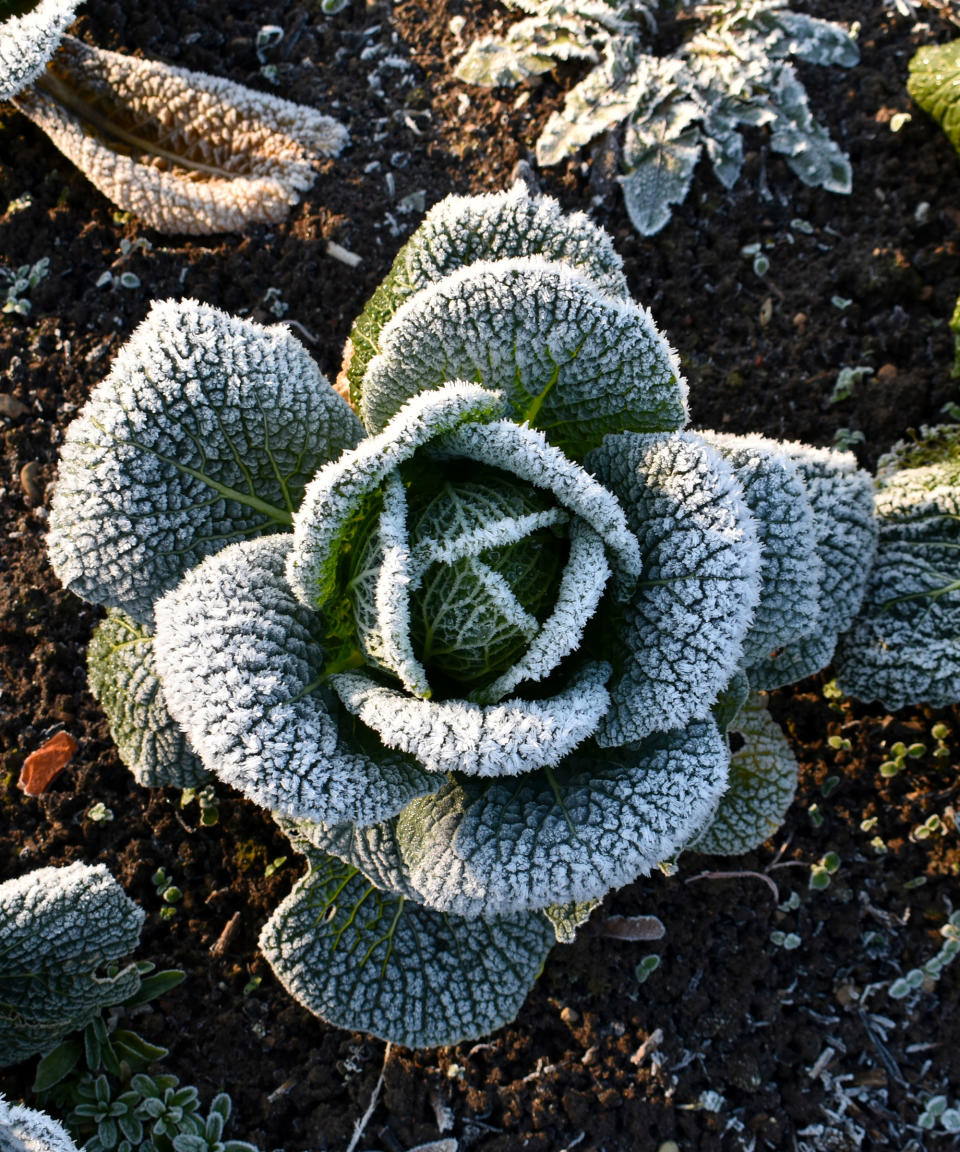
{"x":44,"y":765}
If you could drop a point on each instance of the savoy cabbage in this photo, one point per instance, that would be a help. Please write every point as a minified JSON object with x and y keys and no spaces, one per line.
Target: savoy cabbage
{"x":733,"y":70}
{"x":476,"y":639}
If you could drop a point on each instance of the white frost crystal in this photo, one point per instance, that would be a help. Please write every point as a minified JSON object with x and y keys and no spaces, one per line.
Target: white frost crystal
{"x":27,"y":42}
{"x":60,"y":928}
{"x":478,"y":661}
{"x":186,"y":151}
{"x":25,"y":1129}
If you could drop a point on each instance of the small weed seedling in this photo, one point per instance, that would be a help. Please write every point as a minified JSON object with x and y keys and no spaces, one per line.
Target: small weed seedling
{"x":168,"y":892}
{"x":21,"y":281}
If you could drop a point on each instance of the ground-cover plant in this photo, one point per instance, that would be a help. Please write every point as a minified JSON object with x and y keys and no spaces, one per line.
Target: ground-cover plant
{"x":185,"y":151}
{"x":478,"y":640}
{"x":732,"y":69}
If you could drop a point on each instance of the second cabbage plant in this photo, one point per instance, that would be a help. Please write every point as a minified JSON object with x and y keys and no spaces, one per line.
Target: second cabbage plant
{"x":476,"y":637}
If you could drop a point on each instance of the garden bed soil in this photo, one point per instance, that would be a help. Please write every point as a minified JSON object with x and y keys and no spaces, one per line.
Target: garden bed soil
{"x":734,"y":1041}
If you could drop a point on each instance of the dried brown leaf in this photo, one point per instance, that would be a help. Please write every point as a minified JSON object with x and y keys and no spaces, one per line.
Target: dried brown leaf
{"x":185,"y":151}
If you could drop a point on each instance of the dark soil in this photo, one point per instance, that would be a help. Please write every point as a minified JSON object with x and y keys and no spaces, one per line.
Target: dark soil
{"x":733,"y":1042}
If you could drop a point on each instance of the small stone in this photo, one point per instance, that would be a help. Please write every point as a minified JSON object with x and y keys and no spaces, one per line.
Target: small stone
{"x":570,"y":1016}
{"x":887,"y":374}
{"x":669,"y":1146}
{"x":591,"y":1056}
{"x":11,"y":406}
{"x":800,"y":321}
{"x":43,"y":766}
{"x":30,"y":483}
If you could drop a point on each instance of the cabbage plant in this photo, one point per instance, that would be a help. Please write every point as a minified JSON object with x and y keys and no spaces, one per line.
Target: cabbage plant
{"x":185,"y":151}
{"x":904,"y":644}
{"x":476,"y":637}
{"x":732,"y":68}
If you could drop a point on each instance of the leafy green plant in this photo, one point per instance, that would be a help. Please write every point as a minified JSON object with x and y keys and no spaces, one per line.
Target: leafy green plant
{"x":902,"y":647}
{"x":20,"y":282}
{"x":731,"y":70}
{"x":186,"y":151}
{"x":63,"y":930}
{"x":479,"y":650}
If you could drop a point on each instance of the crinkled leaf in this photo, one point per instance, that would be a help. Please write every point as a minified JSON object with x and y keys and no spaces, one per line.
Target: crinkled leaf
{"x":841,"y":495}
{"x":462,"y":230}
{"x":530,"y":48}
{"x":205,"y":431}
{"x":660,"y":152}
{"x":375,"y":963}
{"x":934,"y":83}
{"x":122,"y":675}
{"x":726,"y":707}
{"x":337,"y":493}
{"x":60,"y":927}
{"x":763,"y":779}
{"x":567,"y":918}
{"x":904,"y":645}
{"x":807,"y":38}
{"x":25,"y":1129}
{"x":505,"y":739}
{"x":242,"y":664}
{"x":186,"y":151}
{"x":809,"y":151}
{"x":677,"y":642}
{"x":602,"y":818}
{"x":567,"y":358}
{"x":607,"y":95}
{"x":790,"y":569}
{"x":27,"y":42}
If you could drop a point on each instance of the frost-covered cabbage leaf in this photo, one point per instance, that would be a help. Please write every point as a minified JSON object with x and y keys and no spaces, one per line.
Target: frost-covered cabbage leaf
{"x":904,"y":645}
{"x":731,"y":69}
{"x":477,"y":650}
{"x":934,"y":83}
{"x":186,"y":151}
{"x":29,"y":35}
{"x":122,"y":675}
{"x":763,"y":779}
{"x":25,"y":1129}
{"x":61,"y":928}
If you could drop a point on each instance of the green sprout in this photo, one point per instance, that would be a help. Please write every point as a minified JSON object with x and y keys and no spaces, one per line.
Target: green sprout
{"x":822,"y":872}
{"x":647,"y":965}
{"x":20,"y":281}
{"x":898,"y":757}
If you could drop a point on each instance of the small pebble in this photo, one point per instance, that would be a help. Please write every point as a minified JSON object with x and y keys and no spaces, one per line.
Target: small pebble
{"x":11,"y":406}
{"x":887,"y":373}
{"x":570,"y":1016}
{"x":30,"y":483}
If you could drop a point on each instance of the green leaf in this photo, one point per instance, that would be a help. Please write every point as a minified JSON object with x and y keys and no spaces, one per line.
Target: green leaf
{"x":134,"y":1049}
{"x":660,"y":152}
{"x":157,"y":984}
{"x":727,"y":705}
{"x":461,"y":230}
{"x":58,"y":1064}
{"x":678,"y":641}
{"x":370,"y":962}
{"x":60,"y":927}
{"x":904,"y":645}
{"x":763,"y":780}
{"x":600,"y":820}
{"x":565,"y":919}
{"x":567,"y":358}
{"x":934,"y":83}
{"x":205,"y":431}
{"x":122,"y":676}
{"x":243,"y":670}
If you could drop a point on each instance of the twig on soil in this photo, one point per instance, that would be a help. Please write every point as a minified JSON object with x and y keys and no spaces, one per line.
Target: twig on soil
{"x":361,"y":1124}
{"x":737,"y":875}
